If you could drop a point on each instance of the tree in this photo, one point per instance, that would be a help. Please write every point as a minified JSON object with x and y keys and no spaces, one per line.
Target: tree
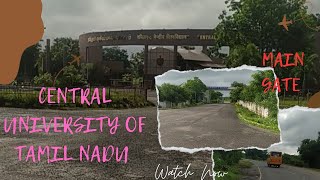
{"x":72,"y":77}
{"x":61,"y":53}
{"x":44,"y":80}
{"x":116,"y":54}
{"x":292,"y":160}
{"x":310,"y":152}
{"x":27,"y":70}
{"x":252,"y":28}
{"x":196,"y":88}
{"x":172,"y":93}
{"x":256,"y":154}
{"x":39,"y":64}
{"x":254,"y":92}
{"x":136,"y":64}
{"x":257,"y":21}
{"x":216,"y":96}
{"x":240,"y":55}
{"x":98,"y":74}
{"x":235,"y":93}
{"x":226,"y":159}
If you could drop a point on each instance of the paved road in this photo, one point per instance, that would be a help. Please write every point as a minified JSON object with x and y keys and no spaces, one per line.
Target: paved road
{"x":286,"y":172}
{"x":210,"y":126}
{"x":145,"y":153}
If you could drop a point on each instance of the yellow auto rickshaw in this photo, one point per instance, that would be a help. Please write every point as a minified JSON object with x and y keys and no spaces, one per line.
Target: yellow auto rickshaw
{"x":274,"y":159}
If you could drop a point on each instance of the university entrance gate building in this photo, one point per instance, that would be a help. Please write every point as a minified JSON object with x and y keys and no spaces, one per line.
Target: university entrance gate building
{"x":158,"y":60}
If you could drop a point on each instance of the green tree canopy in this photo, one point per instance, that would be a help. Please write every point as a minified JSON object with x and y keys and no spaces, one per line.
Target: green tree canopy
{"x":196,"y":88}
{"x":235,"y":93}
{"x":310,"y":152}
{"x":241,"y":55}
{"x":254,"y":92}
{"x":61,"y":53}
{"x":215,"y":96}
{"x":257,"y":21}
{"x":28,"y":70}
{"x":136,"y":64}
{"x":226,"y":159}
{"x":72,"y":77}
{"x":256,"y":154}
{"x":251,"y":28}
{"x":116,"y":54}
{"x":172,"y":93}
{"x":44,"y":80}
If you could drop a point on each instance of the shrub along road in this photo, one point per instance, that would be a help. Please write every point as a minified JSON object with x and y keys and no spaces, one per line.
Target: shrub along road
{"x":214,"y":126}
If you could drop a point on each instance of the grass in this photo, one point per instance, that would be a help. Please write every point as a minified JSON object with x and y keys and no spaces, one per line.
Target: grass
{"x":230,"y":176}
{"x":245,"y":164}
{"x":251,"y":118}
{"x":234,"y":171}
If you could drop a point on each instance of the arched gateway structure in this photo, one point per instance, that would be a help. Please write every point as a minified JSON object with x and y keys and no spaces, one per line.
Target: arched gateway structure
{"x":91,"y":44}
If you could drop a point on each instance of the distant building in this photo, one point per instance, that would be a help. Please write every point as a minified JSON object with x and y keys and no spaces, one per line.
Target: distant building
{"x":161,"y":60}
{"x":157,"y":60}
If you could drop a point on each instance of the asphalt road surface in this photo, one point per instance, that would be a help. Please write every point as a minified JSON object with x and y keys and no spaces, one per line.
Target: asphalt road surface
{"x":286,"y":172}
{"x":214,"y":126}
{"x":145,"y":153}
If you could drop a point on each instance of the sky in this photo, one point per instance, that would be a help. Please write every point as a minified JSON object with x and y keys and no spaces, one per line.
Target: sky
{"x":70,"y":18}
{"x":296,"y":125}
{"x":209,"y":77}
{"x":73,"y":17}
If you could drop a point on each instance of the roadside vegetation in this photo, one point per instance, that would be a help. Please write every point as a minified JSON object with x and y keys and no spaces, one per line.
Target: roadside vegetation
{"x":232,"y":162}
{"x":254,"y":93}
{"x":193,"y":92}
{"x":120,"y":100}
{"x":251,"y":118}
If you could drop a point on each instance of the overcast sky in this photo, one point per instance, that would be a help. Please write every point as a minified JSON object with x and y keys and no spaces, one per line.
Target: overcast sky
{"x":296,"y":125}
{"x":221,"y":78}
{"x":74,"y":17}
{"x":70,"y":18}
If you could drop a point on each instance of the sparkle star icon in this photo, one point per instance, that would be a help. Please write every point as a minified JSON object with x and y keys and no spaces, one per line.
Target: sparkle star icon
{"x":285,"y":23}
{"x":75,"y":59}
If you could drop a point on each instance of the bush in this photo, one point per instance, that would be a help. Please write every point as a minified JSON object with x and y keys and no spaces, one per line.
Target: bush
{"x":245,"y":164}
{"x":30,"y":100}
{"x":45,"y":79}
{"x":250,"y":117}
{"x":226,"y":159}
{"x":254,"y":92}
